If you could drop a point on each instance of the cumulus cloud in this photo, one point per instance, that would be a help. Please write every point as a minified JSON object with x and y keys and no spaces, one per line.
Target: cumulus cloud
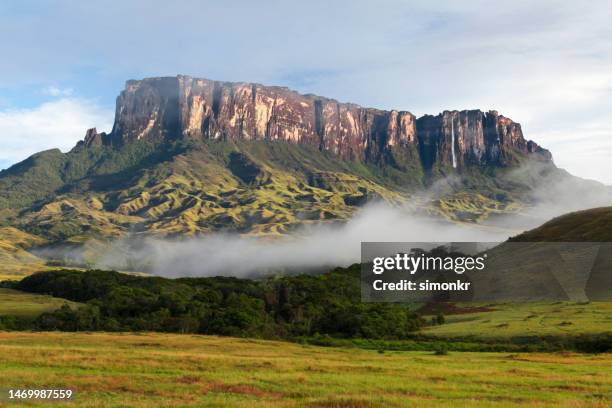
{"x":56,"y":124}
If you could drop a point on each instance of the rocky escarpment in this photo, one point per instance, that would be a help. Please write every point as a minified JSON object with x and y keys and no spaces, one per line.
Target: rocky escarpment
{"x":185,"y":107}
{"x":461,"y":137}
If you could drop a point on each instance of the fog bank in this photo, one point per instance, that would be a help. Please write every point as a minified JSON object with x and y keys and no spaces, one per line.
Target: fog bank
{"x":310,"y":248}
{"x":321,"y":246}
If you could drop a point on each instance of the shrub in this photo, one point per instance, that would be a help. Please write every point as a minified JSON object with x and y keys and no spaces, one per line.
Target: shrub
{"x":440,"y":349}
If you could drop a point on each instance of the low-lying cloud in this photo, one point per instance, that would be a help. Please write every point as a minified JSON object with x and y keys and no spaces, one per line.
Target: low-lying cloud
{"x":554,"y":193}
{"x":310,"y":248}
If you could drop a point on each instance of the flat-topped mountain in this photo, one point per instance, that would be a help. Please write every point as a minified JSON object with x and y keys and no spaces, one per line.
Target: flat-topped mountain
{"x":201,"y":109}
{"x":192,"y":156}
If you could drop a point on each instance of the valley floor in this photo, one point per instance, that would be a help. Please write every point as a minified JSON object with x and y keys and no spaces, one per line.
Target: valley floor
{"x":167,"y":370}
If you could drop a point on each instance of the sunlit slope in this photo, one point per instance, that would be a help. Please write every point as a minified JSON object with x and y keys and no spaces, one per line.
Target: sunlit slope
{"x":15,"y":260}
{"x":246,"y":187}
{"x":199,"y":192}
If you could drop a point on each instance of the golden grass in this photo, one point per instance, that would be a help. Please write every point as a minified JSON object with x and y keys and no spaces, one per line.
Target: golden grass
{"x":164,"y":370}
{"x":15,"y":261}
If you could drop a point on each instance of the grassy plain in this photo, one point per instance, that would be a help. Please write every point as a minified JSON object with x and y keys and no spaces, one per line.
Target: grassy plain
{"x":527,"y":319}
{"x":164,"y":370}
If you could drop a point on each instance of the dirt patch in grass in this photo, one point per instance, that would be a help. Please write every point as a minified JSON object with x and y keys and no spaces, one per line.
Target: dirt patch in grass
{"x":243,"y":389}
{"x":188,"y":379}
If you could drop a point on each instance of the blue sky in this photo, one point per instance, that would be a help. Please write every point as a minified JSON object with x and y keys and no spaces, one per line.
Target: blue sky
{"x":547,"y":65}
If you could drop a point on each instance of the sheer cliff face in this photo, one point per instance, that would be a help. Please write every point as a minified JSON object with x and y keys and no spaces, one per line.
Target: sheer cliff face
{"x":185,"y":107}
{"x":474,"y":137}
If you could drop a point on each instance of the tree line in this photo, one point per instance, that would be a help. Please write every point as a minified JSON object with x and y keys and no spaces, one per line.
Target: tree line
{"x":276,"y":307}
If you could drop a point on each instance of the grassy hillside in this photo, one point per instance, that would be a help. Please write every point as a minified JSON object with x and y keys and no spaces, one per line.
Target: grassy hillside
{"x":144,"y":370}
{"x":14,"y":303}
{"x":15,"y":260}
{"x":248,"y":187}
{"x":508,"y":320}
{"x":594,"y":225}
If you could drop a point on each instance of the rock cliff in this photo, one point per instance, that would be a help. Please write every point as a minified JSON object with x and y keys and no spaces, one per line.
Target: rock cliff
{"x":185,"y":107}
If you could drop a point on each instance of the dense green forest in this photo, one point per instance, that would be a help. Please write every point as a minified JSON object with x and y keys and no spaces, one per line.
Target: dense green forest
{"x":281,"y":307}
{"x":323,"y":309}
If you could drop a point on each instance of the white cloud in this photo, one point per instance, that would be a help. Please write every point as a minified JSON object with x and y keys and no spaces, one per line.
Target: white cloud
{"x":56,"y":124}
{"x":55,"y":91}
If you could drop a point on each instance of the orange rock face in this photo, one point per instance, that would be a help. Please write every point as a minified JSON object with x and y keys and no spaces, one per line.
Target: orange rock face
{"x":185,"y":107}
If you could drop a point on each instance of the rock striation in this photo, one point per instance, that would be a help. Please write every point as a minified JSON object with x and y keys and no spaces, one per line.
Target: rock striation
{"x":169,"y":108}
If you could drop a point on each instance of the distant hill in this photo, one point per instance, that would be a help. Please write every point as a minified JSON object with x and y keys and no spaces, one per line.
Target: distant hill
{"x":594,"y":225}
{"x":567,"y":258}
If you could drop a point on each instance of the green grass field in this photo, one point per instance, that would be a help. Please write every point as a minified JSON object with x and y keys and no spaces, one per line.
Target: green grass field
{"x":163,"y":370}
{"x":527,"y":319}
{"x":21,"y":304}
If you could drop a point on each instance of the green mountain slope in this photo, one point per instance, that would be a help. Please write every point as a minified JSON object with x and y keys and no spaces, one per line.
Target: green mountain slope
{"x":199,"y":187}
